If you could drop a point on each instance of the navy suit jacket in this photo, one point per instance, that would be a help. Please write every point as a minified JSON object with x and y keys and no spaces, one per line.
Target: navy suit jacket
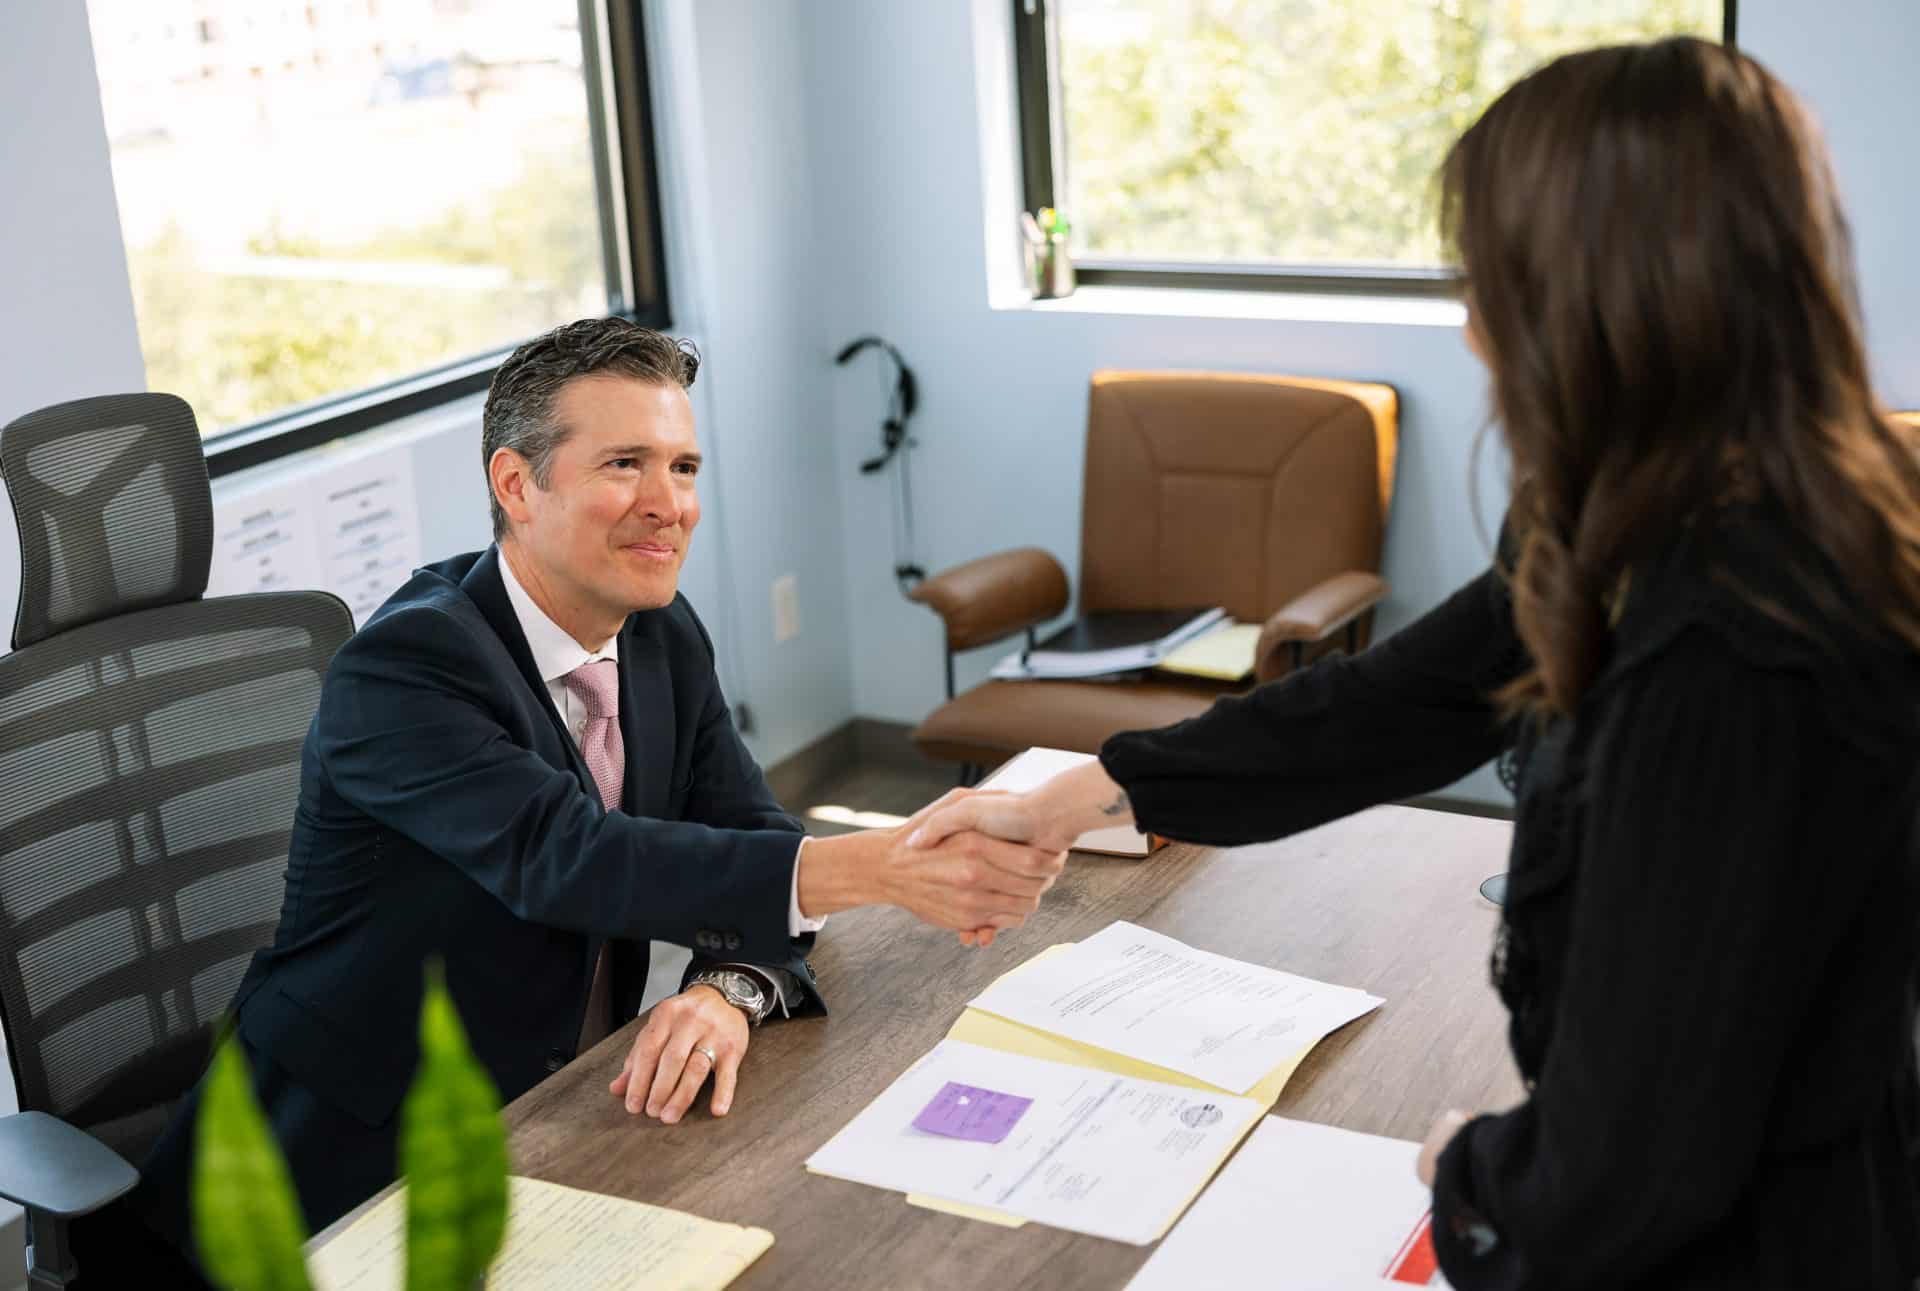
{"x":445,"y":812}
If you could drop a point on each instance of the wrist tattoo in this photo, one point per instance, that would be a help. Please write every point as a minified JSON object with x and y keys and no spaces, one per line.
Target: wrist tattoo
{"x":1117,"y":806}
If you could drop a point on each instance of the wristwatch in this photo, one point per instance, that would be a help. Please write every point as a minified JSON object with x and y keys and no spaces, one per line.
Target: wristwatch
{"x":742,"y":990}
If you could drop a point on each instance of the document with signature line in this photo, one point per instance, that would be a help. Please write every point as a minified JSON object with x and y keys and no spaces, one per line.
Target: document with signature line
{"x":1137,"y":992}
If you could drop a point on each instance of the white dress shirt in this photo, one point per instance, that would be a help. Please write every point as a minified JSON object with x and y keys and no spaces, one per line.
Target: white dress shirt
{"x":555,"y":654}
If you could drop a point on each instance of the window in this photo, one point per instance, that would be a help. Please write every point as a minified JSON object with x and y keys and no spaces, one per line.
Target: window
{"x":338,"y":211}
{"x":1279,"y":143}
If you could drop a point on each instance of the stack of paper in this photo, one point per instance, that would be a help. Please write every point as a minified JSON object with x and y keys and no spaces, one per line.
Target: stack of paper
{"x":1304,"y":1207}
{"x":1139,"y":994}
{"x":1138,"y":1062}
{"x":557,"y":1238}
{"x":1224,"y":654}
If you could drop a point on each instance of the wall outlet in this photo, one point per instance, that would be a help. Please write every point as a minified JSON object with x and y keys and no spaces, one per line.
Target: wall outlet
{"x":786,"y":608}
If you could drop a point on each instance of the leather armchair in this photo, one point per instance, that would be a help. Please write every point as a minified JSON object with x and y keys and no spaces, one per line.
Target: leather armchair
{"x":1266,"y":495}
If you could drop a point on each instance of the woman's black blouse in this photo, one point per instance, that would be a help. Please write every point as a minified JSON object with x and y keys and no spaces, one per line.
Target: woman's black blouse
{"x":1710,"y":944}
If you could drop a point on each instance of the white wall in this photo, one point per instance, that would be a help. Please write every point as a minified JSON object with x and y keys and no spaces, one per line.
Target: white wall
{"x":1855,"y":64}
{"x":746,"y":222}
{"x":909,"y":218}
{"x":66,"y":310}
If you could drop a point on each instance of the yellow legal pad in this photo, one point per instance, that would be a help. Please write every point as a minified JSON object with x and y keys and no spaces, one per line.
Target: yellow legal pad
{"x":993,"y":1032}
{"x":557,"y":1237}
{"x":1224,"y":654}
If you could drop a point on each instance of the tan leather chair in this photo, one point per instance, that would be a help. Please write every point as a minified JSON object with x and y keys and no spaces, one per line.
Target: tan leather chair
{"x":1266,"y":495}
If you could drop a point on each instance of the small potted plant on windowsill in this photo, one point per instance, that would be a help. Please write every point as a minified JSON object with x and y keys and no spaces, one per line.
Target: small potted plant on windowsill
{"x":1049,"y":261}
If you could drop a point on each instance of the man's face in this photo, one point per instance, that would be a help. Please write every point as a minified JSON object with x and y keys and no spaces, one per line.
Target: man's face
{"x":609,"y":531}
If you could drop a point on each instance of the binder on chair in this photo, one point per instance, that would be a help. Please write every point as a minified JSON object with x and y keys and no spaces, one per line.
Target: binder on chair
{"x":1113,"y":641}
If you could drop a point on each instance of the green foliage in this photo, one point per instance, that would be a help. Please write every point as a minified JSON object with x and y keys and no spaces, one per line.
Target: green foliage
{"x":453,"y":1154}
{"x":246,"y":1216}
{"x":453,"y":1151}
{"x":1298,"y":131}
{"x":240,"y":346}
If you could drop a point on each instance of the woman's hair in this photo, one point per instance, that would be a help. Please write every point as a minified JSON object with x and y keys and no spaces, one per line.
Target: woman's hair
{"x":1661,"y":278}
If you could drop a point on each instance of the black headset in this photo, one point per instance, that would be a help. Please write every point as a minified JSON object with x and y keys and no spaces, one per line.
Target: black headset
{"x":900,"y":404}
{"x":893,"y":438}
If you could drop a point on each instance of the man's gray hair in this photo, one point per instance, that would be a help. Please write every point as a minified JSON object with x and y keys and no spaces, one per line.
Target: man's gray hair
{"x":519,"y":411}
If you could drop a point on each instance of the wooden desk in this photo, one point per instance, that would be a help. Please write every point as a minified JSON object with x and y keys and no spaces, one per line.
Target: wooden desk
{"x":1384,"y":900}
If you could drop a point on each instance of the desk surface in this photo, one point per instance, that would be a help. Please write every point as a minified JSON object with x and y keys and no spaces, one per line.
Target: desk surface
{"x":1384,"y":900}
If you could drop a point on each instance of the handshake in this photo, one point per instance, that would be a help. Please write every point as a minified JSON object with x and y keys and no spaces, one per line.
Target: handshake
{"x":973,"y":862}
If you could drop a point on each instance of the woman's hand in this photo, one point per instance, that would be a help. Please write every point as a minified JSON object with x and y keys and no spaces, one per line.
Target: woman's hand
{"x":687,"y":1037}
{"x":1049,"y":818}
{"x":1437,"y":1139}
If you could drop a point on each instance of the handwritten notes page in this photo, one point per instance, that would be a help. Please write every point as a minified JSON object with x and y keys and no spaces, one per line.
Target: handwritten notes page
{"x":557,"y":1237}
{"x":1148,"y":996}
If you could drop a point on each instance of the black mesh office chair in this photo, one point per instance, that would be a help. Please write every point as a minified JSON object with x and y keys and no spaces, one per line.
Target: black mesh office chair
{"x":149,"y":767}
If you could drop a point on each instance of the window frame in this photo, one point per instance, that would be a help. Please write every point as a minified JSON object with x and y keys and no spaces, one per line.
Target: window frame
{"x":1041,"y":136}
{"x":621,"y":126}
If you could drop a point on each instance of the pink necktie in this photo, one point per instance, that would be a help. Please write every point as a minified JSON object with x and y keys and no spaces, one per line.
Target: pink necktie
{"x":596,"y":684}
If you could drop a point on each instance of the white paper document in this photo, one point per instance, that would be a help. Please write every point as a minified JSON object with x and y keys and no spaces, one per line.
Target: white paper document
{"x":1090,"y":1151}
{"x":263,"y":542}
{"x":369,"y":530}
{"x":351,"y":528}
{"x":1150,"y":997}
{"x":1303,"y":1207}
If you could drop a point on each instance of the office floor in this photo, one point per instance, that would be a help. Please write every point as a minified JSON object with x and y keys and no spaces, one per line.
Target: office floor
{"x":872,"y":791}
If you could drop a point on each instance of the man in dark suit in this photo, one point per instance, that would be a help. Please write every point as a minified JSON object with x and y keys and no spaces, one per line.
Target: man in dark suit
{"x":524,"y":760}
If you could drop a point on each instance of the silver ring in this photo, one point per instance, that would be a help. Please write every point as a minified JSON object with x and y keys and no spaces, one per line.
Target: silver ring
{"x":713,"y":1059}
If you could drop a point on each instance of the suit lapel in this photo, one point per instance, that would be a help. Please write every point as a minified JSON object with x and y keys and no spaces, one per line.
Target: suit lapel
{"x":485,"y":589}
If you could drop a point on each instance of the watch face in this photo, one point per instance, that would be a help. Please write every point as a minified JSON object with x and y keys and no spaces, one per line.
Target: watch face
{"x":743,"y":992}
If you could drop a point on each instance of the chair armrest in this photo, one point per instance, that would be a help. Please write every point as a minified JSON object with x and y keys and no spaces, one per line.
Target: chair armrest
{"x":994,"y":596}
{"x":48,"y":1165}
{"x":1314,"y":615}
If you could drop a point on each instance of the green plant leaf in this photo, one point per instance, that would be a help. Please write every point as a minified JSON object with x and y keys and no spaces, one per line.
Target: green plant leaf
{"x":453,"y":1151}
{"x":246,"y":1216}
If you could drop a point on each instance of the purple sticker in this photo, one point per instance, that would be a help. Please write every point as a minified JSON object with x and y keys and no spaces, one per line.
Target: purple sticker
{"x":964,"y":1112}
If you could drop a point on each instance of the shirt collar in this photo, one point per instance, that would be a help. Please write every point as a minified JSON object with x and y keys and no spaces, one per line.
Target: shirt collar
{"x":555,"y":654}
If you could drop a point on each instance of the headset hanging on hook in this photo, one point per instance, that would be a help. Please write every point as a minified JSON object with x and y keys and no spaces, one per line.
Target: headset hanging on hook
{"x":894,"y":440}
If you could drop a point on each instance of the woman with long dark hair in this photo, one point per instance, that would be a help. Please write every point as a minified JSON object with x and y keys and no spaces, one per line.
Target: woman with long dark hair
{"x":1695,"y":657}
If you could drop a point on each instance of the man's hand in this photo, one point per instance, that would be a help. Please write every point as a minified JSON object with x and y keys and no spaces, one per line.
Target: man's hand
{"x":967,"y":881}
{"x":1049,"y":818}
{"x":686,"y":1037}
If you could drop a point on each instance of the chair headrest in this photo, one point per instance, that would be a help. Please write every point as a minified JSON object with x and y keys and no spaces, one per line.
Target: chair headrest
{"x":111,"y":500}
